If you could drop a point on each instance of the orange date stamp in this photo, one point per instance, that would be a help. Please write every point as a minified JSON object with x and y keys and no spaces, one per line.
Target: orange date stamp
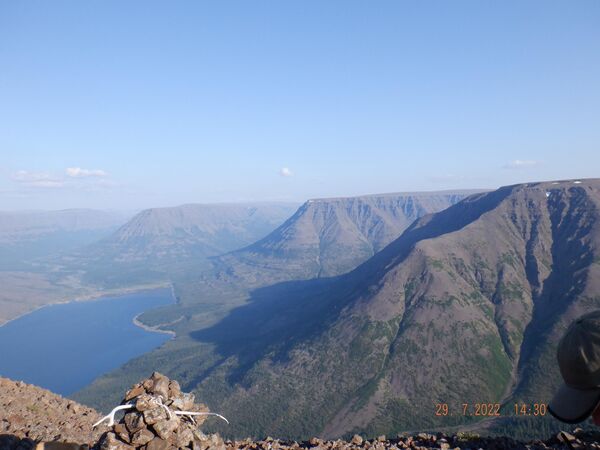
{"x":491,"y":409}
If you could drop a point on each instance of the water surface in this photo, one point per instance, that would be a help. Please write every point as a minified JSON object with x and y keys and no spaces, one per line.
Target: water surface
{"x":65,"y":347}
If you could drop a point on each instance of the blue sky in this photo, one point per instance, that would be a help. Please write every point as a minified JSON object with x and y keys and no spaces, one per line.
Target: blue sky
{"x":136,"y":104}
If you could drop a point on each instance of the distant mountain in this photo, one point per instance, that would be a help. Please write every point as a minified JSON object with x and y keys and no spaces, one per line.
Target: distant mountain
{"x":466,"y":306}
{"x":179,"y":239}
{"x":27,"y":235}
{"x":20,"y":224}
{"x":327,"y":237}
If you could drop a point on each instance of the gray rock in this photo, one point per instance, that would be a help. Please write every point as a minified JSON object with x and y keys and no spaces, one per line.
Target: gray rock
{"x":145,"y":402}
{"x":110,"y":442}
{"x":174,"y":389}
{"x":134,"y":421}
{"x":357,"y":440}
{"x":136,"y":391}
{"x":185,"y":402}
{"x":142,"y":437}
{"x":184,"y":437}
{"x":160,"y":385}
{"x":74,"y":407}
{"x":148,"y":384}
{"x":121,"y":431}
{"x":154,"y":415}
{"x":158,"y":444}
{"x":200,"y":445}
{"x":165,"y":428}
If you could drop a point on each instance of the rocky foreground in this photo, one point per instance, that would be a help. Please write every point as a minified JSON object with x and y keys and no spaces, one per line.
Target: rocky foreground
{"x":36,"y":414}
{"x":157,"y":415}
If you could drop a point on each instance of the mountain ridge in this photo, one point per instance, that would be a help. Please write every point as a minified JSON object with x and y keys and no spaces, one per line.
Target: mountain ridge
{"x":327,"y":237}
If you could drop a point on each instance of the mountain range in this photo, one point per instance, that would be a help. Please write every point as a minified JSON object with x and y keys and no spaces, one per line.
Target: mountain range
{"x":328,"y":237}
{"x":465,"y":307}
{"x":207,"y":293}
{"x":161,"y":242}
{"x":323,"y":237}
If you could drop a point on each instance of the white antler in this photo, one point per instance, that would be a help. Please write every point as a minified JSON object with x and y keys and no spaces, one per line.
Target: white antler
{"x":159,"y":402}
{"x":193,"y":413}
{"x":111,"y":415}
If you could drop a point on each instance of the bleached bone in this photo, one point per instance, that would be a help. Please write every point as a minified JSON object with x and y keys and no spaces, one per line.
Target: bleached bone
{"x":111,"y":416}
{"x":194,"y":413}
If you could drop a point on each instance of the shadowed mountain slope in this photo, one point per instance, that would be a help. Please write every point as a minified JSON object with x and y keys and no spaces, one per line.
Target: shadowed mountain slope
{"x":466,"y":306}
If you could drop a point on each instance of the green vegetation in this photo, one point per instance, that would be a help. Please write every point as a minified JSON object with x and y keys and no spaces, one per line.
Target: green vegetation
{"x":436,"y":263}
{"x":32,"y":408}
{"x":510,"y":291}
{"x":409,"y":288}
{"x":508,"y":258}
{"x":488,"y":310}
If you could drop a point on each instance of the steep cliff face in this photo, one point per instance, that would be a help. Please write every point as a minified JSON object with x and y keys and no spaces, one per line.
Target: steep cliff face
{"x":466,"y":306}
{"x":327,"y":237}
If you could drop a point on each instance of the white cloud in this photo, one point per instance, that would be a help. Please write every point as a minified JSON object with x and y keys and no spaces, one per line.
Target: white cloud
{"x":37,"y":179}
{"x":285,"y":172}
{"x":72,"y":177}
{"x":78,"y":172}
{"x":522,"y":164}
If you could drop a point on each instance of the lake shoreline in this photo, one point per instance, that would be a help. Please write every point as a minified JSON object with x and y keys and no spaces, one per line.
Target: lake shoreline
{"x":98,"y":296}
{"x":157,"y":328}
{"x":152,"y":329}
{"x":72,"y":344}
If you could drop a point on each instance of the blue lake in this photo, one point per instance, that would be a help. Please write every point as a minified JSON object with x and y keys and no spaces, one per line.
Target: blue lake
{"x":65,"y":347}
